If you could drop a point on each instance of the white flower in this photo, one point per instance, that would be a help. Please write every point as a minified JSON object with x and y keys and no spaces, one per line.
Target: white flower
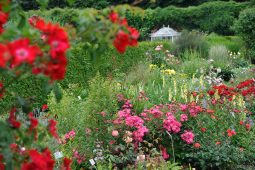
{"x":79,"y":97}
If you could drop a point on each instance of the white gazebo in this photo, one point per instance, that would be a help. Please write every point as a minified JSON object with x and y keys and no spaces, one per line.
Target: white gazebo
{"x":165,"y":33}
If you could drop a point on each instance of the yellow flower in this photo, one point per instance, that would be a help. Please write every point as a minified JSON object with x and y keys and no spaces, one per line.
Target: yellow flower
{"x":153,"y":66}
{"x":169,"y":72}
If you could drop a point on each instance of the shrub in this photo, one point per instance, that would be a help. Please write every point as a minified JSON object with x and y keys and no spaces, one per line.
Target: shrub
{"x":208,"y":17}
{"x":192,"y":41}
{"x":219,"y":55}
{"x":195,"y":67}
{"x":245,"y":26}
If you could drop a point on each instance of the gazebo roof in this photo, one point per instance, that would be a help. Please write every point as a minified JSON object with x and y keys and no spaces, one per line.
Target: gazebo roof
{"x":165,"y":32}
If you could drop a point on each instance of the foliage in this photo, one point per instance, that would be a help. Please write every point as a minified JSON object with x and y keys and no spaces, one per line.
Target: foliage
{"x":219,"y":56}
{"x":206,"y":18}
{"x":191,"y":41}
{"x":195,"y":67}
{"x":233,"y":43}
{"x":244,"y":26}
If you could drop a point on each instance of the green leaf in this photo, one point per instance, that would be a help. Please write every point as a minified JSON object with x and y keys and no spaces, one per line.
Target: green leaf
{"x":57,"y":92}
{"x":70,"y":2}
{"x":43,"y":3}
{"x":22,"y":21}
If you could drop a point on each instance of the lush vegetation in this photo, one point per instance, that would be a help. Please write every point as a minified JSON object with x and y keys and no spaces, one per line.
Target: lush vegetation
{"x":78,"y":91}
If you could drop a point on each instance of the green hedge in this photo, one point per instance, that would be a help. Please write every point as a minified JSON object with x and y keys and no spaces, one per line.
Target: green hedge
{"x":217,"y":16}
{"x":81,"y":68}
{"x":209,"y":17}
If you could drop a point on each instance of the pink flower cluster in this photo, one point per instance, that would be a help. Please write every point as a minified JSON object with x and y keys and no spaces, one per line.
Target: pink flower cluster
{"x":134,"y":121}
{"x":172,"y":125}
{"x":78,"y":157}
{"x":188,"y":137}
{"x":126,"y":115}
{"x":140,"y":133}
{"x":184,"y":118}
{"x":70,"y":135}
{"x":156,"y":112}
{"x":164,"y":153}
{"x":194,"y":110}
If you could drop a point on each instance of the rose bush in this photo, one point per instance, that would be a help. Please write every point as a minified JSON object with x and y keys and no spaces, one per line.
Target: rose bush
{"x":38,"y":50}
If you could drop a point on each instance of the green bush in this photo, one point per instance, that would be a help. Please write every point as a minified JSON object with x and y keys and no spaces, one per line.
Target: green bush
{"x":191,"y":41}
{"x":208,"y":17}
{"x":245,"y":26}
{"x":31,"y":87}
{"x":233,"y":43}
{"x":195,"y":67}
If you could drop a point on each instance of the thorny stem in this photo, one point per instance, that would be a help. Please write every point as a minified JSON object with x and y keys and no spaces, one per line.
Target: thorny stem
{"x":172,"y":143}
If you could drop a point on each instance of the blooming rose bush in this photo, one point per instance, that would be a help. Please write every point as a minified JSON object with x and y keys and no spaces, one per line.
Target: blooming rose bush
{"x":183,"y":132}
{"x":37,"y":50}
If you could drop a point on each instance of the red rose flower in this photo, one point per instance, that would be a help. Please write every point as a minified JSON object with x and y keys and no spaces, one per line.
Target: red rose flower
{"x":121,"y":41}
{"x":44,"y":107}
{"x":114,"y":17}
{"x":67,"y":164}
{"x":22,"y":52}
{"x":40,"y":161}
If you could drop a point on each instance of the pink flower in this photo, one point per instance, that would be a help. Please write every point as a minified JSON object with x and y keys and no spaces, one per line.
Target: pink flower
{"x":164,"y":153}
{"x":172,"y":125}
{"x":111,"y":142}
{"x":156,"y":113}
{"x":70,"y":134}
{"x":188,"y":137}
{"x":197,"y":145}
{"x":194,"y":110}
{"x":183,"y":107}
{"x":184,"y":117}
{"x":134,"y":121}
{"x":115,"y":133}
{"x":139,"y":133}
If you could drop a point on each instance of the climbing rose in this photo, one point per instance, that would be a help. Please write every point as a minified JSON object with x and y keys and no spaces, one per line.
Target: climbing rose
{"x":114,"y":17}
{"x":56,"y":37}
{"x":44,"y":107}
{"x":22,"y":52}
{"x":40,"y":161}
{"x":121,"y":41}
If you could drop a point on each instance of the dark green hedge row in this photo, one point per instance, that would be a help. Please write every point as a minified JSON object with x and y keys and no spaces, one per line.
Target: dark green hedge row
{"x":100,"y":4}
{"x":209,"y":17}
{"x":217,"y":16}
